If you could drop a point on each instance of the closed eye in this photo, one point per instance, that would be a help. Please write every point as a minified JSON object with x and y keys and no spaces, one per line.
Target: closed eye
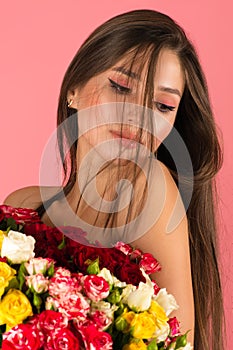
{"x":119,"y":88}
{"x":164,"y":108}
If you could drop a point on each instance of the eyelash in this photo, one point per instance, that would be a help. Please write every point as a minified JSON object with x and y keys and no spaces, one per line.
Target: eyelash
{"x":119,"y":88}
{"x":123,"y":90}
{"x":163,"y":107}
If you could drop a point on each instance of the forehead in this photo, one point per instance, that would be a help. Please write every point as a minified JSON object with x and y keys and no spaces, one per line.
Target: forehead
{"x":166,"y":69}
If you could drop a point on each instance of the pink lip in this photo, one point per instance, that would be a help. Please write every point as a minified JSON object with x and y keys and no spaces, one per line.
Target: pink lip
{"x":127,"y":139}
{"x":124,"y":135}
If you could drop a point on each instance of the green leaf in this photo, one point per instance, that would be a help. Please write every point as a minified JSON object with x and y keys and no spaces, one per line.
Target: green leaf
{"x":11,"y":224}
{"x":62,"y":244}
{"x":114,"y":297}
{"x":121,"y":323}
{"x":14,"y":283}
{"x":120,"y":310}
{"x":153,"y":345}
{"x":50,"y":271}
{"x":37,"y":301}
{"x":21,"y":275}
{"x":93,"y":267}
{"x":181,"y":341}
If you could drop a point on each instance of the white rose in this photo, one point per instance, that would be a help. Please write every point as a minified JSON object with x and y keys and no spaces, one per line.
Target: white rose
{"x":105,"y":307}
{"x":167,"y":301}
{"x":112,"y":280}
{"x":162,"y":333}
{"x":126,"y":292}
{"x":18,"y":247}
{"x":140,"y":299}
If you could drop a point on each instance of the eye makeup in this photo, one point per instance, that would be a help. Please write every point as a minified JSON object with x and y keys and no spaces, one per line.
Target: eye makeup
{"x":119,"y":87}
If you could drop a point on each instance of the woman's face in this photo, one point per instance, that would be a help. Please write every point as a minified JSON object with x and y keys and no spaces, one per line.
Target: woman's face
{"x":124,"y":83}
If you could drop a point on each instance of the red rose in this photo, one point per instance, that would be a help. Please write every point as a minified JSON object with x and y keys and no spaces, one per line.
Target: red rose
{"x":149,"y":263}
{"x":38,"y":231}
{"x":130,"y":273}
{"x":54,"y":236}
{"x":84,"y":253}
{"x":114,"y":259}
{"x":2,"y":215}
{"x":96,"y":287}
{"x":60,"y":339}
{"x":75,"y":235}
{"x":22,"y":337}
{"x":94,"y":339}
{"x":5,"y":212}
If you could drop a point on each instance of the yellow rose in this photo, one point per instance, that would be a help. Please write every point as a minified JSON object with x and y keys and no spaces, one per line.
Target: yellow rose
{"x":128,"y":316}
{"x":143,"y":325}
{"x":14,"y":308}
{"x":2,"y":235}
{"x":6,"y":274}
{"x":136,"y":344}
{"x":158,"y":312}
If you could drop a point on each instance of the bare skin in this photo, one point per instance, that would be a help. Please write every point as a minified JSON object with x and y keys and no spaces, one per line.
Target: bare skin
{"x":171,"y":249}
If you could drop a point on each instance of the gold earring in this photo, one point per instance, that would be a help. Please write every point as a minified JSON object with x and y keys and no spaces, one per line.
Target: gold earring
{"x":70,"y":103}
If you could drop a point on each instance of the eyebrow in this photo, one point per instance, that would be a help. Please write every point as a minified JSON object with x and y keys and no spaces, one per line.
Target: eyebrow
{"x":134,"y":75}
{"x":127,"y":72}
{"x":170,"y":90}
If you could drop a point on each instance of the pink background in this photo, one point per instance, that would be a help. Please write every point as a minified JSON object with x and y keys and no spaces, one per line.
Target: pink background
{"x":38,"y":40}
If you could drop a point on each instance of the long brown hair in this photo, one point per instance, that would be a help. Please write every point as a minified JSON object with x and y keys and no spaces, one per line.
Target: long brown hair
{"x":148,"y":29}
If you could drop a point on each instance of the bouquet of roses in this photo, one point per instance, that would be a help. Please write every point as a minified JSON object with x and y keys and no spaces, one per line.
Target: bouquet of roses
{"x":57,"y":293}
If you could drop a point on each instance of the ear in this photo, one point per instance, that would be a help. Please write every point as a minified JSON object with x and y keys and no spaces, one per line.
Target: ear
{"x":72,"y":98}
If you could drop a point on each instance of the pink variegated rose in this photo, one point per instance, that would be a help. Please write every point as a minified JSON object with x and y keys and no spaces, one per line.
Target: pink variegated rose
{"x":136,"y":254}
{"x":96,"y":287}
{"x":73,"y":305}
{"x":174,"y":326}
{"x":62,"y":272}
{"x":39,"y":283}
{"x":51,"y":303}
{"x":101,"y":320}
{"x":20,"y":215}
{"x":22,"y":337}
{"x":60,"y":285}
{"x":149,"y":263}
{"x":38,"y":265}
{"x":49,"y":320}
{"x":156,"y":287}
{"x":123,"y":247}
{"x":95,"y":340}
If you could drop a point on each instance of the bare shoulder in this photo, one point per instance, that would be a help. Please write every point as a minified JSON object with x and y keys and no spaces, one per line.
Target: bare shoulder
{"x":166,"y":214}
{"x":164,"y":185}
{"x":27,"y":197}
{"x":167,"y":177}
{"x":168,"y":240}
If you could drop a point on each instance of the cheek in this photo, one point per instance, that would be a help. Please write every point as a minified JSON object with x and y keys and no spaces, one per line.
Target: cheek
{"x":162,"y":128}
{"x":96,"y":136}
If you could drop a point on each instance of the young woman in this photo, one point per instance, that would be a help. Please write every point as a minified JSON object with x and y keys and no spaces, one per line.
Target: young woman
{"x":132,"y":80}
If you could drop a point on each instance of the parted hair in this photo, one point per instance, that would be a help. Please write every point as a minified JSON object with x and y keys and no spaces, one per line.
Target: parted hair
{"x":150,"y":31}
